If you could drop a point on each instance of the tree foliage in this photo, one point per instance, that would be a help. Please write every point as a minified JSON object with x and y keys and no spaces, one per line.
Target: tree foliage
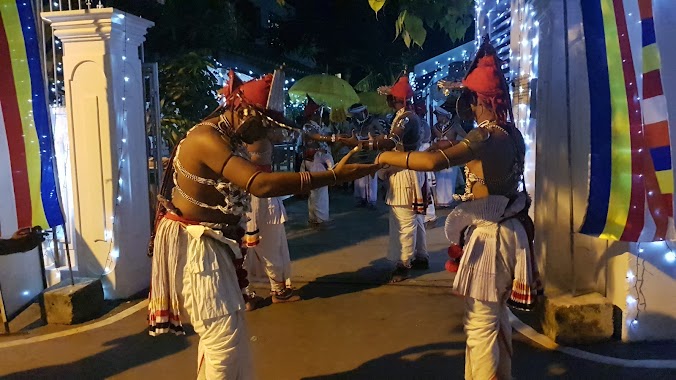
{"x":187,"y":93}
{"x":453,"y":17}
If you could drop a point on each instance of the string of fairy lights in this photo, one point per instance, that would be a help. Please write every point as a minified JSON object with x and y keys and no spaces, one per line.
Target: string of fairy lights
{"x":118,"y":186}
{"x":523,"y":70}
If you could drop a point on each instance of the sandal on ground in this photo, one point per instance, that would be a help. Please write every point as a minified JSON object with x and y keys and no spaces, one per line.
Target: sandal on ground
{"x":252,"y":302}
{"x":420,"y":264}
{"x":285,"y":295}
{"x":400,"y":274}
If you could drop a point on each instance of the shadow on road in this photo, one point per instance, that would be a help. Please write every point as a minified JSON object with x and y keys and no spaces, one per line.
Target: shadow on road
{"x":349,"y":226}
{"x":337,"y":284}
{"x":121,"y":355}
{"x":431,"y":361}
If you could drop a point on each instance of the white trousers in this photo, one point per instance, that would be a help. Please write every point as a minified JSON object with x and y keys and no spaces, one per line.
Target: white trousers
{"x":318,"y":205}
{"x":431,"y":213}
{"x":407,"y":235}
{"x":447,"y":180}
{"x":366,"y":189}
{"x":224,"y":352}
{"x":208,"y":293}
{"x":488,"y":354}
{"x":318,"y":202}
{"x":270,"y":257}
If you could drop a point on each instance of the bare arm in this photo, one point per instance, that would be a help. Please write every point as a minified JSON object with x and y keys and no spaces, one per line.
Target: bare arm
{"x":215,"y":153}
{"x":458,"y":154}
{"x":428,"y":161}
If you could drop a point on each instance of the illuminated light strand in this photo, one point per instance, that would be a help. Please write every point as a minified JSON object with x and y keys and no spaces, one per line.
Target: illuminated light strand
{"x":109,"y":236}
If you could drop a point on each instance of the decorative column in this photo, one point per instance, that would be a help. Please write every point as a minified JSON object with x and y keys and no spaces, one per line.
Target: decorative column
{"x":106,"y":128}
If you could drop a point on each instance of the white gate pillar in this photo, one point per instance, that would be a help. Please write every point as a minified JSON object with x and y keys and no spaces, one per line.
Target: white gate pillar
{"x":106,"y":129}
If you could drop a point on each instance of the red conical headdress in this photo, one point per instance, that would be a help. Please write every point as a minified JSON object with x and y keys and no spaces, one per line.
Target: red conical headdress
{"x":310,"y":107}
{"x":402,"y":89}
{"x":266,"y":94}
{"x":485,"y":78}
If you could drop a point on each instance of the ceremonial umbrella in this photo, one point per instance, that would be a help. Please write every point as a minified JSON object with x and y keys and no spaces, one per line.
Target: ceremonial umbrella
{"x":327,"y":90}
{"x":376,"y":103}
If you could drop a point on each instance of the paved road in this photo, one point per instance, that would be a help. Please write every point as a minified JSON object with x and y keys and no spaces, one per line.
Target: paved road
{"x":347,"y":327}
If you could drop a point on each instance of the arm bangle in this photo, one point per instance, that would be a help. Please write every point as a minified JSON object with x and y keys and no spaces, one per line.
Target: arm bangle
{"x":333,"y":138}
{"x":468,"y":145}
{"x":370,"y":144}
{"x":250,"y":181}
{"x":448,"y":161}
{"x":408,"y":155}
{"x":305,"y":180}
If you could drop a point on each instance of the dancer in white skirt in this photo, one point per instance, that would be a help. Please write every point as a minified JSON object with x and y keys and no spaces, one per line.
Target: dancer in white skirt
{"x":363,"y":126}
{"x":408,"y":193}
{"x":425,"y":144}
{"x":491,"y":224}
{"x":265,"y":239}
{"x":447,"y":128}
{"x":197,"y":273}
{"x":317,"y":158}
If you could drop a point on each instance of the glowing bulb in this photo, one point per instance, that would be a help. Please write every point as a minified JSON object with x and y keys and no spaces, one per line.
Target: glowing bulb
{"x":126,"y":79}
{"x":670,"y":257}
{"x":631,"y":300}
{"x":634,"y":322}
{"x":630,"y":276}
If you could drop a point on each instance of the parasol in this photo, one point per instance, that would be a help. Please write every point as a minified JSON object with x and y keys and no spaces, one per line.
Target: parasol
{"x":327,"y":90}
{"x":376,"y":103}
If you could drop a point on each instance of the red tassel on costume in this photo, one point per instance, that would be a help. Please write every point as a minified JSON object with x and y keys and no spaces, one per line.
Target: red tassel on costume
{"x":455,"y":251}
{"x":452,"y":266}
{"x":454,"y":254}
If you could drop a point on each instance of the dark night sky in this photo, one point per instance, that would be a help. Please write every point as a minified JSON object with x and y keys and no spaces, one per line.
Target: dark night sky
{"x":346,"y":35}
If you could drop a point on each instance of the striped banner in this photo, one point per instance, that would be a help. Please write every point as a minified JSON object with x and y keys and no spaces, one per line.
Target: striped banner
{"x":654,"y":104}
{"x":28,"y":194}
{"x":631,"y":180}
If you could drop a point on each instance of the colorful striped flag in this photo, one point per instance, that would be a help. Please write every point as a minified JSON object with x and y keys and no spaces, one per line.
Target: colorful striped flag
{"x":631,"y":178}
{"x":28,"y":194}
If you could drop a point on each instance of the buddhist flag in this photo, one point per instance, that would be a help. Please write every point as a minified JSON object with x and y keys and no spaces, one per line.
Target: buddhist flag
{"x":631,"y":178}
{"x":28,"y":194}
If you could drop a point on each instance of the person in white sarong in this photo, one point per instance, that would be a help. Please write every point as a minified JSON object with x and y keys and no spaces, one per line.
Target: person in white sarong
{"x":197,"y":273}
{"x":265,"y":238}
{"x":317,"y":158}
{"x":425,"y":144}
{"x":491,"y":225}
{"x":408,"y":193}
{"x":318,"y":202}
{"x":447,"y":128}
{"x":364,"y":125}
{"x":407,"y":246}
